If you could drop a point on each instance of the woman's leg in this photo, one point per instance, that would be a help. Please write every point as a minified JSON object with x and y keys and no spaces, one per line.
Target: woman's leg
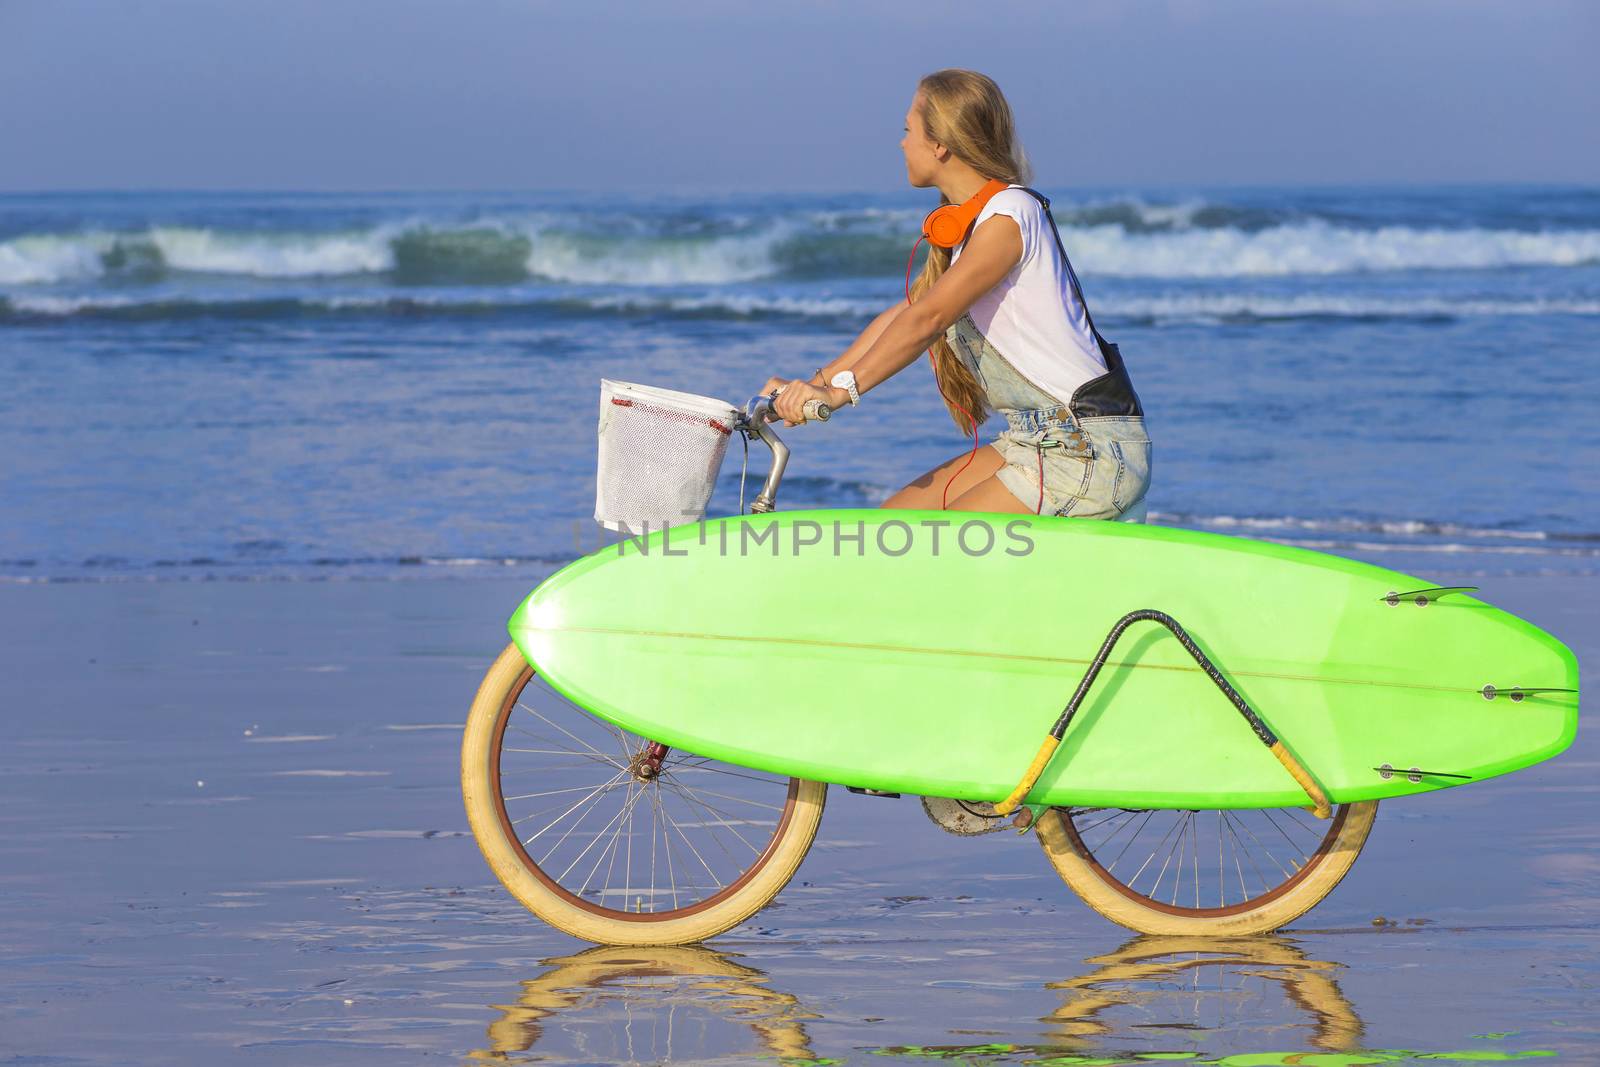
{"x":928,"y":491}
{"x":991,"y":495}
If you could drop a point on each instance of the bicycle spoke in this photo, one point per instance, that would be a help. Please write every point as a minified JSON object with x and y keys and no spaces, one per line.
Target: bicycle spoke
{"x":589,"y":752}
{"x":696,"y":851}
{"x":615,"y":780}
{"x":1233,"y":850}
{"x":1149,"y":858}
{"x":548,"y":793}
{"x":655,"y":811}
{"x":1266,"y":886}
{"x":612,"y":848}
{"x":1181,"y":858}
{"x":1298,"y":818}
{"x":571,"y":829}
{"x":1251,"y":833}
{"x":627,"y":865}
{"x":622,"y":740}
{"x":1285,"y":836}
{"x":1085,"y":829}
{"x":1222,"y":885}
{"x":1147,"y":817}
{"x":738,"y":774}
{"x":563,"y":729}
{"x":578,"y":824}
{"x":666,"y":841}
{"x":1178,"y":827}
{"x":716,"y":814}
{"x":616,"y":820}
{"x":552,"y":752}
{"x":1132,"y":818}
{"x":738,"y":800}
{"x":1194,"y":841}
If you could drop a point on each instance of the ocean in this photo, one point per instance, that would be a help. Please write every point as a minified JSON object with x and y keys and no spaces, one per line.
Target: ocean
{"x":315,"y":386}
{"x":247,"y":440}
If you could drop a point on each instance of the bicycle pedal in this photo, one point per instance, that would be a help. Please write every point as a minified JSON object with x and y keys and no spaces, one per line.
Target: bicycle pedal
{"x":872,"y":792}
{"x":1027,"y":817}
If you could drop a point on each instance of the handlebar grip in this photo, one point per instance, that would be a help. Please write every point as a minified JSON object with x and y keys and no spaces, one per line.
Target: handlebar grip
{"x":816,"y":411}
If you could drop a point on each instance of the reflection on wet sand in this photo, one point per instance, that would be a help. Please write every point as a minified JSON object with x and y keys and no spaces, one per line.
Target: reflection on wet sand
{"x":1169,"y":998}
{"x":649,"y":987}
{"x":1195,"y":979}
{"x":1155,"y":998}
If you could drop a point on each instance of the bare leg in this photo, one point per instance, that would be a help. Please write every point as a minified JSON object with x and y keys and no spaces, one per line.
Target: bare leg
{"x":928,"y":491}
{"x":991,"y":495}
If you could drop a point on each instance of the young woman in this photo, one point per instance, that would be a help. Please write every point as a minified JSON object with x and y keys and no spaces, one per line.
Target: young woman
{"x":1008,"y":328}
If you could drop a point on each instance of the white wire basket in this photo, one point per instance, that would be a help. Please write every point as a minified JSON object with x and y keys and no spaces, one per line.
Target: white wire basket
{"x":660,"y":453}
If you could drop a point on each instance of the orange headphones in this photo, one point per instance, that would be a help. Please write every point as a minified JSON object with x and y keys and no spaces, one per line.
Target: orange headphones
{"x":947,"y":226}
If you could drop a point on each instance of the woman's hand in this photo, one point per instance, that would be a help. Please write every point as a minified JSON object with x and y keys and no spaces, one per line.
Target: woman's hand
{"x":791,"y":403}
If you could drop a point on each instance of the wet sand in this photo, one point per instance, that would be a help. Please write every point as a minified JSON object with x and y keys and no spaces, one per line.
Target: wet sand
{"x":230,"y":832}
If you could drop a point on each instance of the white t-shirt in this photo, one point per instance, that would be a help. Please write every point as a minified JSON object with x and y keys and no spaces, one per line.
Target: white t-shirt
{"x":1032,"y":316}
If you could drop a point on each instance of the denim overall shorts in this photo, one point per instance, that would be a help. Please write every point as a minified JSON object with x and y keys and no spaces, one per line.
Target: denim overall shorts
{"x":1089,"y":465}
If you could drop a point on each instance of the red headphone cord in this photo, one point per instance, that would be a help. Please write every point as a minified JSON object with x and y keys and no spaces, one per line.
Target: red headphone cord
{"x":944,"y":498}
{"x":1039,"y":507}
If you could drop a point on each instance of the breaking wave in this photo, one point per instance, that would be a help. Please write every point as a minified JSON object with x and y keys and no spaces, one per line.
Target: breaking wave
{"x":1318,"y":248}
{"x":1120,"y":238}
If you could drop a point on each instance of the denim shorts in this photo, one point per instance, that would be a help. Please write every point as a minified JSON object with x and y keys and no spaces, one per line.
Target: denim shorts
{"x":1093,"y":468}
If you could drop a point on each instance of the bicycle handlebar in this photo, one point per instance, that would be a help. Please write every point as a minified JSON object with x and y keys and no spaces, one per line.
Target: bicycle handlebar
{"x":813,"y":410}
{"x":757,"y":415}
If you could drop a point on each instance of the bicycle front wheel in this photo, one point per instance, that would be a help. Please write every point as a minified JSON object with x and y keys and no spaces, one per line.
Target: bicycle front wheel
{"x":599,"y":845}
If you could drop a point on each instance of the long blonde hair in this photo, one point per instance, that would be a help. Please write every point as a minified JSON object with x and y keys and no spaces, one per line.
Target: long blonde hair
{"x":966,"y":112}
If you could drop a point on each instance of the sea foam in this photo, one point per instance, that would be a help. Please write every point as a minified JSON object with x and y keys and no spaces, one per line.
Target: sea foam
{"x":1149,"y":241}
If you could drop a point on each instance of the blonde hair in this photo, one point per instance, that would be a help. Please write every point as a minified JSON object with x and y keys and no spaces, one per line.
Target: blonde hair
{"x":966,"y":112}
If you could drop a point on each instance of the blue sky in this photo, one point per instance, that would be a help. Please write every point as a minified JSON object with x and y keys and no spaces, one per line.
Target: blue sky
{"x":493,"y":94}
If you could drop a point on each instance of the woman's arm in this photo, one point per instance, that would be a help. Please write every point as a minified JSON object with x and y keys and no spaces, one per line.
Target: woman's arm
{"x":847,"y":359}
{"x":991,"y":253}
{"x":865,"y":340}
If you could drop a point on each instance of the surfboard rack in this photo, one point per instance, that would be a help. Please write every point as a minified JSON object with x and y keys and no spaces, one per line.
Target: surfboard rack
{"x":1320,"y":805}
{"x":1423,"y":597}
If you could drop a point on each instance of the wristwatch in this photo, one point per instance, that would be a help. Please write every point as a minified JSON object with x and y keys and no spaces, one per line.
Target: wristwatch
{"x":846,"y":380}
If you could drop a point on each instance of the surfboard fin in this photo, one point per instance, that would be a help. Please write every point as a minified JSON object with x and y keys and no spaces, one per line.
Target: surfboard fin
{"x":1417,"y":774}
{"x":1518,"y":693}
{"x":1423,"y":597}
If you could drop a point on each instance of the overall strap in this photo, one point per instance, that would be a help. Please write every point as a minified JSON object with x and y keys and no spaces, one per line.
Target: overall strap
{"x":1112,"y":393}
{"x":1072,"y":275}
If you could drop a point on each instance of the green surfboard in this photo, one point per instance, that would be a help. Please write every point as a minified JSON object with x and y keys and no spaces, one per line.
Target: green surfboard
{"x":929,"y":652}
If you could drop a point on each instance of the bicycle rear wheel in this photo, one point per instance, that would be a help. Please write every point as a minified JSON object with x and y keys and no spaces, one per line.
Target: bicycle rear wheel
{"x":579,"y":830}
{"x":1203,"y":873}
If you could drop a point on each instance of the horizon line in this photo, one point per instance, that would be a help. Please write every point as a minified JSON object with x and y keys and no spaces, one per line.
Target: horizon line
{"x":812,"y":190}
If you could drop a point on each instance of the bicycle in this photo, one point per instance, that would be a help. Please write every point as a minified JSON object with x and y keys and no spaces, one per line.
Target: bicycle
{"x":619,"y":838}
